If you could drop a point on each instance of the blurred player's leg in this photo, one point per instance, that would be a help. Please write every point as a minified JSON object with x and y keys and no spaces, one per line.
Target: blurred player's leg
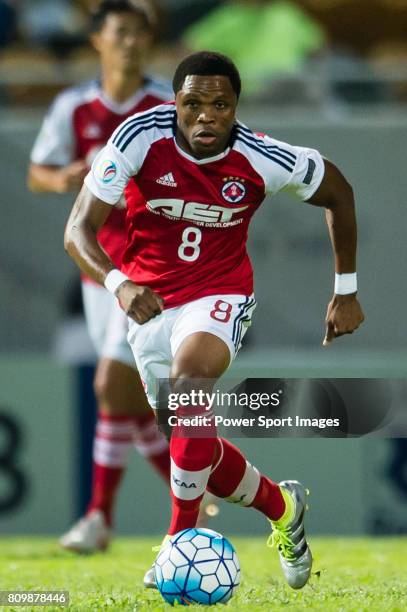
{"x":124,"y":419}
{"x":119,"y":391}
{"x":150,"y":443}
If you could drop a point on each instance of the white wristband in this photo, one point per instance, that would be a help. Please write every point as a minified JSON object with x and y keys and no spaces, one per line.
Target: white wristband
{"x":114,"y":279}
{"x":346,"y":283}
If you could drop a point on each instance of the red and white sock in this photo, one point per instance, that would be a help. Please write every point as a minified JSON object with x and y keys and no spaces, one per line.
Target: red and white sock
{"x":191,"y":463}
{"x":112,"y":444}
{"x":152,"y":444}
{"x":237,"y":481}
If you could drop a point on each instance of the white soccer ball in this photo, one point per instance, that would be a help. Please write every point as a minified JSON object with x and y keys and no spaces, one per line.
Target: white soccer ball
{"x":197,"y":566}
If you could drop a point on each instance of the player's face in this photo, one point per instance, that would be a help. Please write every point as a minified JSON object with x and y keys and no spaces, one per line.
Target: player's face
{"x":123,"y":42}
{"x":206,"y":107}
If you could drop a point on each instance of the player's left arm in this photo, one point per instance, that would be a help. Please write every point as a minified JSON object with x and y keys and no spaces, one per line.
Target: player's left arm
{"x":335,"y":194}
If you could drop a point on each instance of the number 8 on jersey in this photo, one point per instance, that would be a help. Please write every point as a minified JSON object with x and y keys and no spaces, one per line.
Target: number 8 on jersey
{"x":189,"y":249}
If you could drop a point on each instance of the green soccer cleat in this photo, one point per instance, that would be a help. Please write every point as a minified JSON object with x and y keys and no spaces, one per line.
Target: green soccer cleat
{"x":289,"y":537}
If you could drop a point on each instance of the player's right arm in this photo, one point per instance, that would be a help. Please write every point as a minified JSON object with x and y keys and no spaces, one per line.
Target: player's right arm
{"x":45,"y":178}
{"x":103,"y":188}
{"x":87,"y":216}
{"x":53,"y":167}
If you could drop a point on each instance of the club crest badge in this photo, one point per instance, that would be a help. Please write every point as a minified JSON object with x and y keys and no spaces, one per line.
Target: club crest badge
{"x":233,"y":190}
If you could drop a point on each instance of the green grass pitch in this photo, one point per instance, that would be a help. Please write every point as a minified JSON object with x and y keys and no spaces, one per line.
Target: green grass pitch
{"x":350,"y":575}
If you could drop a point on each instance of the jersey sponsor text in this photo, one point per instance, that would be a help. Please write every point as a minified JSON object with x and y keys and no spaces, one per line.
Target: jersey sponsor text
{"x":209,"y":215}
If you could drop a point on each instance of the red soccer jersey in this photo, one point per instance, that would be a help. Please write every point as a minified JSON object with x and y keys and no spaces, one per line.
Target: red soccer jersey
{"x":187,"y":219}
{"x":79,"y":124}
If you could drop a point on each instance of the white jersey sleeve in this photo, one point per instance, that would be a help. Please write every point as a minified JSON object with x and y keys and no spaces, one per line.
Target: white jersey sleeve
{"x":307,"y":174}
{"x":55,"y":142}
{"x":126,"y":150}
{"x":109,"y":174}
{"x":282,"y":166}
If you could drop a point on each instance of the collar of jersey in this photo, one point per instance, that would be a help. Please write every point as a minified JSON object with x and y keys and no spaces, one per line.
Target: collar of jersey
{"x":205,"y":160}
{"x":122,"y":108}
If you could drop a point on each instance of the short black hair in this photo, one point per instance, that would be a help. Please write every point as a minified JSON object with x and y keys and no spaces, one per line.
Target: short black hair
{"x":106,"y":7}
{"x":207,"y":63}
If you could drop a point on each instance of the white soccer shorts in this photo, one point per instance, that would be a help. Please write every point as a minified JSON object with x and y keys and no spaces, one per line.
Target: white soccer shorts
{"x":155,"y":343}
{"x":107,"y":324}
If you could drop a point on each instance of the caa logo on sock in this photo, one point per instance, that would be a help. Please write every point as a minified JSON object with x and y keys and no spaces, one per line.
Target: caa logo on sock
{"x":181,"y":483}
{"x":107,"y":171}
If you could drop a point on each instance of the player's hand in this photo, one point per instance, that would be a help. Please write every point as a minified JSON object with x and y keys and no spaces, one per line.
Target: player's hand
{"x":138,"y":302}
{"x":70,"y":177}
{"x":343,"y":316}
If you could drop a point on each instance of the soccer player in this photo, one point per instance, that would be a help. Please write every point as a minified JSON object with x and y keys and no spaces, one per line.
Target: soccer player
{"x":74,"y":131}
{"x":193,"y":177}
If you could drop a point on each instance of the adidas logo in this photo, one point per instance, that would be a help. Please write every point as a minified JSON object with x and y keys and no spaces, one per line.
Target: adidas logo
{"x":167,"y":180}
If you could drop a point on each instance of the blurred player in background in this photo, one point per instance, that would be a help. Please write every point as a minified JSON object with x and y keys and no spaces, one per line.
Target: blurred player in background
{"x":186,"y":280}
{"x":77,"y":126}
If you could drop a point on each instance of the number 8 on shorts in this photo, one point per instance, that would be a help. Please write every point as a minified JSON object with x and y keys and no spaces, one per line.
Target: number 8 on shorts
{"x":222,"y":311}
